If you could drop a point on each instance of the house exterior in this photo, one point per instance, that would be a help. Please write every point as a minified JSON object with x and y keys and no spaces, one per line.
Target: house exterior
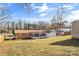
{"x":8,"y":36}
{"x":28,"y":34}
{"x":51,"y":33}
{"x":23,"y":34}
{"x":64,"y":31}
{"x":57,"y":25}
{"x":75,"y":29}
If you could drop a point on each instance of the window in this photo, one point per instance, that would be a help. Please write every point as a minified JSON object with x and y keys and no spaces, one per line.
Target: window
{"x":43,"y":34}
{"x":36,"y":35}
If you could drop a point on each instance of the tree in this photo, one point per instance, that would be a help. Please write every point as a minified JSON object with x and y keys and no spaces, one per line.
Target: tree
{"x":28,"y":26}
{"x":25,"y":25}
{"x":34,"y":26}
{"x":7,"y":26}
{"x":4,"y":15}
{"x":16,"y":26}
{"x":20,"y":24}
{"x":13,"y":28}
{"x":43,"y":25}
{"x":59,"y":17}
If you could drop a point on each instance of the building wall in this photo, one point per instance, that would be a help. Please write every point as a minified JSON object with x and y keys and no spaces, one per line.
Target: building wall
{"x":38,"y":35}
{"x":51,"y":34}
{"x":23,"y":35}
{"x":75,"y":29}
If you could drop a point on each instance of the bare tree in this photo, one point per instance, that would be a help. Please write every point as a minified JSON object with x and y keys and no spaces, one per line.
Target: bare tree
{"x":25,"y":25}
{"x":13,"y":28}
{"x":59,"y":18}
{"x":4,"y":15}
{"x":43,"y":25}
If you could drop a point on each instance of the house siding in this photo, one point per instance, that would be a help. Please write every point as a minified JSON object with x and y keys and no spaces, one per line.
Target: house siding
{"x":23,"y":35}
{"x":75,"y":29}
{"x":26,"y":34}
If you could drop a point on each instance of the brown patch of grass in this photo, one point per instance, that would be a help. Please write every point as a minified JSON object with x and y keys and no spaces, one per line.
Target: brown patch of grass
{"x":40,"y":47}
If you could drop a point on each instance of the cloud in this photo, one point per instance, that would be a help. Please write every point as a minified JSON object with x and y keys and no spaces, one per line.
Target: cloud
{"x":50,"y":9}
{"x":43,"y":8}
{"x":36,"y":7}
{"x":44,"y":14}
{"x":68,"y":7}
{"x":74,"y":15}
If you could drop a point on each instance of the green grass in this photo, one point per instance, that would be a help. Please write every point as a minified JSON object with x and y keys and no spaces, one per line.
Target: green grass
{"x":55,"y":46}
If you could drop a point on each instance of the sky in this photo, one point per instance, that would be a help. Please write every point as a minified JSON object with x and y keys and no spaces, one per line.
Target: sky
{"x":41,"y":11}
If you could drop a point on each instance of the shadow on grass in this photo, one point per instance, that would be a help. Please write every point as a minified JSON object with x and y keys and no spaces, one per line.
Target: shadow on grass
{"x":68,"y":42}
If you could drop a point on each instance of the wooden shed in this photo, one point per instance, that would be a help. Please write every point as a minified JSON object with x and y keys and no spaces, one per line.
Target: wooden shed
{"x":75,"y":29}
{"x":23,"y":34}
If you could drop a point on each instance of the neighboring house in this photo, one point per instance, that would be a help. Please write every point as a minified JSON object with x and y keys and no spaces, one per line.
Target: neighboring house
{"x":22,"y":34}
{"x":8,"y":36}
{"x":75,"y":29}
{"x":51,"y":33}
{"x":57,"y":25}
{"x":63,"y":31}
{"x":27,"y":34}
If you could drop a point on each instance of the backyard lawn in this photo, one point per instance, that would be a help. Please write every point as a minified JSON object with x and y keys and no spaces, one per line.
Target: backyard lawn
{"x":55,"y":46}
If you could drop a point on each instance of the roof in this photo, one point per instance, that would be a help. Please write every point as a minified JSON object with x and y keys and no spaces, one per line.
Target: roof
{"x":75,"y":21}
{"x":29,"y":31}
{"x":59,"y":23}
{"x":7,"y":34}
